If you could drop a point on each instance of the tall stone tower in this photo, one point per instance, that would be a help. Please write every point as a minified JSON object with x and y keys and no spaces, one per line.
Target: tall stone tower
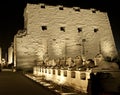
{"x":10,"y":54}
{"x":0,"y":54}
{"x":60,"y":31}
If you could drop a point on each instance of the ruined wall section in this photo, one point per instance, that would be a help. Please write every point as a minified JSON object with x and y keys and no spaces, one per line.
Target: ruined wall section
{"x":0,"y":54}
{"x":25,"y":54}
{"x":27,"y":50}
{"x":62,"y":31}
{"x":10,"y":54}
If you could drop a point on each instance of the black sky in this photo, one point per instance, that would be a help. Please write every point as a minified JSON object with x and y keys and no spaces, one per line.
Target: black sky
{"x":11,"y":15}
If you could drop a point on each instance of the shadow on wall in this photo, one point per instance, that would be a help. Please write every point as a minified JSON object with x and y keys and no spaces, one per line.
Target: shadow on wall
{"x":102,"y":84}
{"x":25,"y":62}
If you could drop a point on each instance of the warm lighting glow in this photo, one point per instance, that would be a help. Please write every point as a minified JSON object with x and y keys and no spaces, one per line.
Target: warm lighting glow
{"x":57,"y":49}
{"x":40,"y":52}
{"x":10,"y":55}
{"x":61,"y":79}
{"x":107,"y":48}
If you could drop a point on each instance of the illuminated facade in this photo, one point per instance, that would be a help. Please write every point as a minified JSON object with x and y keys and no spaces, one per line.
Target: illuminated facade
{"x":58,"y":31}
{"x":0,"y":54}
{"x":10,"y":55}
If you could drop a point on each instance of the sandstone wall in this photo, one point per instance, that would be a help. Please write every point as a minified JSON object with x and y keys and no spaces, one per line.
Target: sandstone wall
{"x":10,"y":54}
{"x":60,"y":31}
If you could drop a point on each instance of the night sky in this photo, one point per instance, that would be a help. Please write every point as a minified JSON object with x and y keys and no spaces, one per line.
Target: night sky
{"x":11,"y":16}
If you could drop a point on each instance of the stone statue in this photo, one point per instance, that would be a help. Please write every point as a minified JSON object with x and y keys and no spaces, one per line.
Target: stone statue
{"x":62,"y":62}
{"x":78,"y":61}
{"x":70,"y":62}
{"x":98,"y":59}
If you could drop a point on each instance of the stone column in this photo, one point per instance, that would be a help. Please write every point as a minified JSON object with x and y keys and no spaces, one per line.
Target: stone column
{"x":10,"y":55}
{"x":0,"y":54}
{"x":14,"y":50}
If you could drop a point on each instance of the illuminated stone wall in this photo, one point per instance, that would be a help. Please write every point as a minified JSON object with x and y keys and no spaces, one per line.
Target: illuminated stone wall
{"x":0,"y":54}
{"x":60,"y":31}
{"x":10,"y":54}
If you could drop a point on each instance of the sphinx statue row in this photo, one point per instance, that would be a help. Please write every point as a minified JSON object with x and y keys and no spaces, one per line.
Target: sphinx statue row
{"x":78,"y":63}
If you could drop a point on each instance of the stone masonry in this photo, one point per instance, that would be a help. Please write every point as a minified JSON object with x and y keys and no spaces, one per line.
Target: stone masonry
{"x":58,"y":31}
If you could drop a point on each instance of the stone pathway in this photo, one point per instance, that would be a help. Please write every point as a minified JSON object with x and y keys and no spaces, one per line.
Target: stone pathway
{"x":60,"y":89}
{"x":16,"y":83}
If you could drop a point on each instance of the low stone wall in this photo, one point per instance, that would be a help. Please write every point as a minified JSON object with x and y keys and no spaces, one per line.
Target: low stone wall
{"x":75,"y":79}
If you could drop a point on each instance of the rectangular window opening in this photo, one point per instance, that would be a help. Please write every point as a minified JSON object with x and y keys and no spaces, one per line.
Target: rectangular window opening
{"x":53,"y":71}
{"x":49,"y":71}
{"x":72,"y":74}
{"x":44,"y":28}
{"x":83,"y":76}
{"x":65,"y":73}
{"x":79,"y":30}
{"x":45,"y":70}
{"x":61,"y":8}
{"x":42,"y":6}
{"x":96,"y":30}
{"x":62,"y":29}
{"x":59,"y":72}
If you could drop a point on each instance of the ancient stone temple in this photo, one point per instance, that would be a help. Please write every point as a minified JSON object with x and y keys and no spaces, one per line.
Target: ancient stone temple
{"x":58,"y":31}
